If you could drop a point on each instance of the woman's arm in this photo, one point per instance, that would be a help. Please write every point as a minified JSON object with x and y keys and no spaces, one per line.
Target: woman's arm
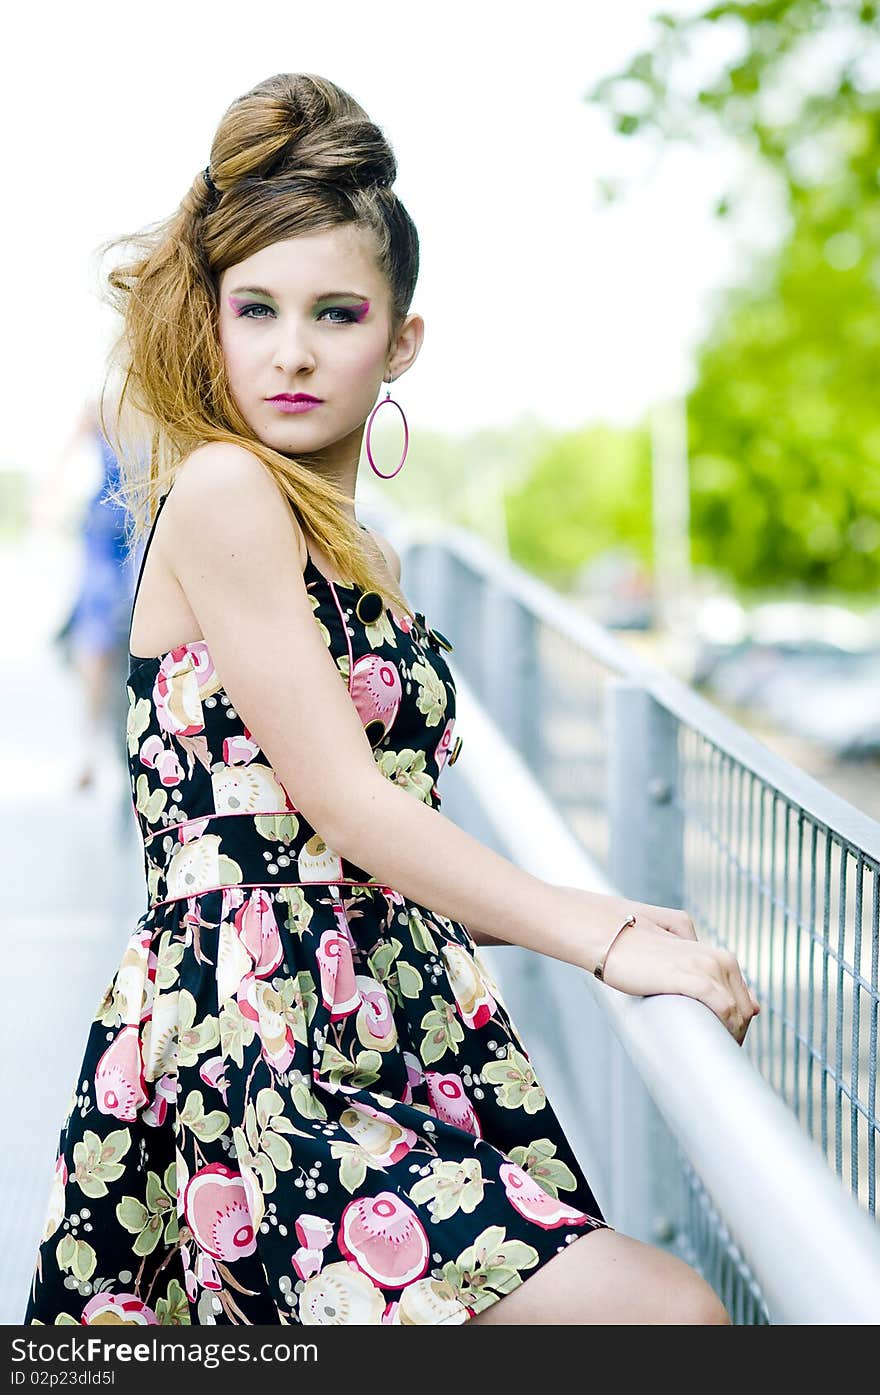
{"x":238,"y":553}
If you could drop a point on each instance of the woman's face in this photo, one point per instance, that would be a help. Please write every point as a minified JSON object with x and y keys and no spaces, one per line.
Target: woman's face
{"x":310,"y":314}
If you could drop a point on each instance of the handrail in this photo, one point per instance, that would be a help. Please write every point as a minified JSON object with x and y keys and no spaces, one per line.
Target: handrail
{"x":812,"y":1249}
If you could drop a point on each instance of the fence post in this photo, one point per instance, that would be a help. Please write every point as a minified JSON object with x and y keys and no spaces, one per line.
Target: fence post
{"x":646,"y":864}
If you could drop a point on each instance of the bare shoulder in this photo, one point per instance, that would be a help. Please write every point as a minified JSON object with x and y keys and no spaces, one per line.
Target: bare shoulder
{"x":223,"y":491}
{"x":391,"y":556}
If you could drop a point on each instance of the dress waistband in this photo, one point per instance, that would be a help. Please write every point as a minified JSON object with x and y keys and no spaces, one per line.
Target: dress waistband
{"x":247,"y":850}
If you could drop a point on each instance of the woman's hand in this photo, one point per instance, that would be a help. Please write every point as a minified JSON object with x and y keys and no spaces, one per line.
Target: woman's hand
{"x":660,"y":953}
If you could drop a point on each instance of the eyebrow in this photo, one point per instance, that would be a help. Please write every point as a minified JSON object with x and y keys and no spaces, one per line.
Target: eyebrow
{"x":328,"y":295}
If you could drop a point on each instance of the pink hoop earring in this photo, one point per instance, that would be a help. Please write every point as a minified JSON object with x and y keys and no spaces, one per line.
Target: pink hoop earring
{"x":387,"y":398}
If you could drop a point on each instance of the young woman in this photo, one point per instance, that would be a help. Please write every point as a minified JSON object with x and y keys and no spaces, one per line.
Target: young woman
{"x":302,"y":1098}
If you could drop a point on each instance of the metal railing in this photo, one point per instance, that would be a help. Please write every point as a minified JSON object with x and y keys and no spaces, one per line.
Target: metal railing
{"x":667,"y":801}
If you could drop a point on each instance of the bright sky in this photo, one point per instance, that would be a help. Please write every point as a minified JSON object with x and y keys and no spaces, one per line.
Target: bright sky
{"x":535,"y":301}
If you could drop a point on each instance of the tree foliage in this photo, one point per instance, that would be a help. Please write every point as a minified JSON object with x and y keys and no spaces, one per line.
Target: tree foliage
{"x":784,"y":417}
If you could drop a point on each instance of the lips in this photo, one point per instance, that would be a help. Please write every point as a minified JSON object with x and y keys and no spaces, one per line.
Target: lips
{"x":294,"y":397}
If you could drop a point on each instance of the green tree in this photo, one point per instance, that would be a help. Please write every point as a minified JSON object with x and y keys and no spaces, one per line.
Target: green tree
{"x":585,"y":489}
{"x":784,"y":420}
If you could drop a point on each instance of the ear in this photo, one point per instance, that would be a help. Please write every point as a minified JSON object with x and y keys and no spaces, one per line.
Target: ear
{"x":405,"y":348}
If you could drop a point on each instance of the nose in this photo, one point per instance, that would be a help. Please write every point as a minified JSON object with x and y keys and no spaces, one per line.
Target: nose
{"x":292,"y":352}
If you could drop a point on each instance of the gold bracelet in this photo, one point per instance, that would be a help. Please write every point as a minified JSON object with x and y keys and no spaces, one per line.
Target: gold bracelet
{"x":599,"y":970}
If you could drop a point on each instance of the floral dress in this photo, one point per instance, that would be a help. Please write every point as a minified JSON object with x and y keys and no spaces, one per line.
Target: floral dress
{"x":302,"y":1099}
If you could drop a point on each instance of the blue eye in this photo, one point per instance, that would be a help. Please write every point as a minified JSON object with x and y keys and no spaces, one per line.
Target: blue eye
{"x":350,"y":316}
{"x":244,"y":312}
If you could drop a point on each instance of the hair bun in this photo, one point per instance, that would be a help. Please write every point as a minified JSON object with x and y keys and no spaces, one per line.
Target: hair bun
{"x":301,"y":125}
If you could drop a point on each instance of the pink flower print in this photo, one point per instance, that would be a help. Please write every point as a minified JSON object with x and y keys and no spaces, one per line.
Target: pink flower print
{"x":307,"y":1262}
{"x":376,"y":690}
{"x":529,"y":1198}
{"x":119,"y":1077}
{"x":203,"y":665}
{"x":375,"y":1023}
{"x":117,"y":1310}
{"x":216,"y":1209}
{"x":314,"y":1234}
{"x":213,"y":1072}
{"x":176,"y":695}
{"x":441,"y":750}
{"x":239,"y":750}
{"x":340,"y":1296}
{"x":233,"y":897}
{"x":150,"y":751}
{"x":192,"y":829}
{"x":166,"y":1090}
{"x":190,"y":1282}
{"x":259,"y":1002}
{"x":206,"y":1272}
{"x":169,"y":768}
{"x":378,"y":1134}
{"x":385,"y":1238}
{"x":450,"y":1102}
{"x":475,"y":1002}
{"x":415,"y":1072}
{"x":258,"y":931}
{"x":339,"y":990}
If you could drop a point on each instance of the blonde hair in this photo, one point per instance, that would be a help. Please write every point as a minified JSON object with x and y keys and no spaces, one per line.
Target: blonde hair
{"x":296,"y":154}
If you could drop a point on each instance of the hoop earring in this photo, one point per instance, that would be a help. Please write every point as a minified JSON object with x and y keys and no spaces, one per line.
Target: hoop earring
{"x":386,"y":399}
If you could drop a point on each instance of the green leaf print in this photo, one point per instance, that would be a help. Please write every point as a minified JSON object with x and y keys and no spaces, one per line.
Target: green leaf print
{"x":443,"y":1031}
{"x":352,"y":1172}
{"x":261,"y":1145}
{"x":382,"y":959}
{"x":77,"y":1257}
{"x":168,"y":957}
{"x":409,"y":979}
{"x":146,"y":1222}
{"x":300,"y":911}
{"x":236,"y":1032}
{"x":451,"y":1187}
{"x":298,"y":1003}
{"x":97,"y":1162}
{"x":257,"y":1162}
{"x":277,"y":828}
{"x":539,"y":1160}
{"x":306,"y":1102}
{"x":432,"y":692}
{"x":356,"y":1162}
{"x":137,"y":721}
{"x":150,"y":805}
{"x":406,"y":768}
{"x":515,"y":1083}
{"x":363,"y":1071}
{"x":421,"y":935}
{"x":193,"y":1041}
{"x":132,"y":1214}
{"x":173,"y":1309}
{"x":491,"y":1262}
{"x":207,"y":1127}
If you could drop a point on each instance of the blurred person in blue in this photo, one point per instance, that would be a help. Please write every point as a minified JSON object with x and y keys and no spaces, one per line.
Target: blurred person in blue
{"x":94,"y":637}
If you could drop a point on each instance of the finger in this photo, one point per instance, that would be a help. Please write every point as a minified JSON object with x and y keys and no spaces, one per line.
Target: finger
{"x":720,"y":998}
{"x":732,"y":976}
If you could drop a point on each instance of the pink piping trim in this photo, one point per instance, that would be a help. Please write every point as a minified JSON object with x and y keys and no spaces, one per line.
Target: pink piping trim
{"x":263,"y":886}
{"x":200,"y":818}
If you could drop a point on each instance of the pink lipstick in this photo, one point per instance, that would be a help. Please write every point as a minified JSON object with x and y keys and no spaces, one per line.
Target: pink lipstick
{"x":294,"y":402}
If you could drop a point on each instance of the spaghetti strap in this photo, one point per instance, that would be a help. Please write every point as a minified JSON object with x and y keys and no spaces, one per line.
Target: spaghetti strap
{"x":141,"y":564}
